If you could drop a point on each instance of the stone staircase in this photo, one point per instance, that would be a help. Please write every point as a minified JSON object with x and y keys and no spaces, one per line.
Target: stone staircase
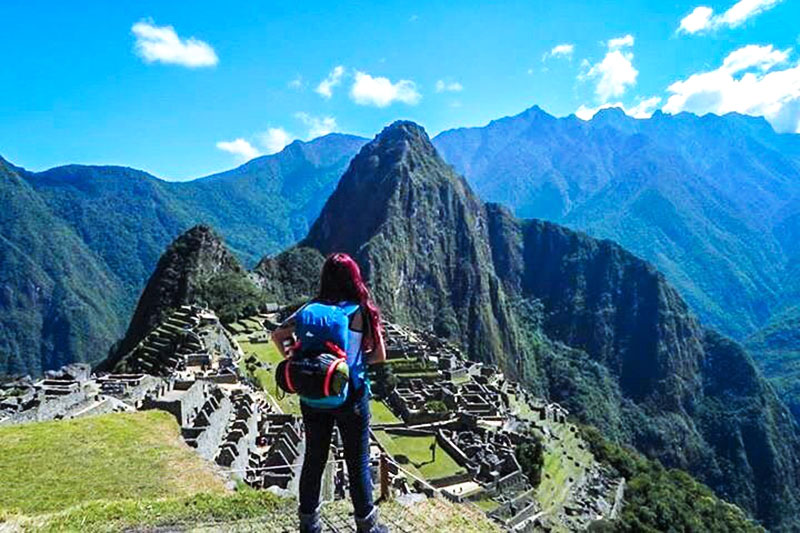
{"x":168,"y":346}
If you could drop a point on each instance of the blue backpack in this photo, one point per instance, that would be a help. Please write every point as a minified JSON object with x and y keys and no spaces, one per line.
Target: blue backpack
{"x":317,"y":325}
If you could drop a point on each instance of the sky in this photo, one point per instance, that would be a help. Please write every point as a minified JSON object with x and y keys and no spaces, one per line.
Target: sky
{"x":186,"y":89}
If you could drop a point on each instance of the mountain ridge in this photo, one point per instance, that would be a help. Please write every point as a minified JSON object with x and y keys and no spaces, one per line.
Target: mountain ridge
{"x":123,"y":218}
{"x":724,"y":178}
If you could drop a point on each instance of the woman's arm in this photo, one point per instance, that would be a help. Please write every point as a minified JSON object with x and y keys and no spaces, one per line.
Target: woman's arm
{"x":378,"y":352}
{"x":281,"y":335}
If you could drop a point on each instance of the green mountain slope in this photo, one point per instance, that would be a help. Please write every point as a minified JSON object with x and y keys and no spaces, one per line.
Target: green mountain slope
{"x":706,"y":199}
{"x":259,"y":207}
{"x":581,"y":321}
{"x":59,"y":302}
{"x":777,"y":348}
{"x":118,"y":221}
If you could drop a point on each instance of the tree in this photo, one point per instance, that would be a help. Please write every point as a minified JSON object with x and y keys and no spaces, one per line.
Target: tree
{"x":530,"y":456}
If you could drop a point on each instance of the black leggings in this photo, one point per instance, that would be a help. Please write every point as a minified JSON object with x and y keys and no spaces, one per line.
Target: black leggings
{"x":353,"y":420}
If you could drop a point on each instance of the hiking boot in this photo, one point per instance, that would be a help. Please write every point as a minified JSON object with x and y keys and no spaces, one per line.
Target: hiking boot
{"x":310,"y":522}
{"x":370,"y":524}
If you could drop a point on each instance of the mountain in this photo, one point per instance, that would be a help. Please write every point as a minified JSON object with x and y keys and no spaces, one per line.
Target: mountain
{"x":196,"y":268}
{"x":260,"y":207}
{"x":94,"y":235}
{"x":582,"y":321}
{"x":712,"y":201}
{"x":59,"y":303}
{"x":398,"y":191}
{"x":777,"y":347}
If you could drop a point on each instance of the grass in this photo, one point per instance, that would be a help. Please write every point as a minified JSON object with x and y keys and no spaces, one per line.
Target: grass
{"x":121,"y":515}
{"x":381,"y":414}
{"x":49,"y":466}
{"x":487,"y":505}
{"x":558,"y":468}
{"x":417,"y":449}
{"x":246,"y":511}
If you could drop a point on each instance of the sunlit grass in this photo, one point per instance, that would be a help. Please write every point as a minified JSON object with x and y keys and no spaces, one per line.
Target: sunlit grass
{"x":418,"y":451}
{"x":48,"y":466}
{"x":381,"y":414}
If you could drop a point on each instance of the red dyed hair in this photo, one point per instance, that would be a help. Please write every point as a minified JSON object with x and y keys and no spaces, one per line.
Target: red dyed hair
{"x":341,"y":281}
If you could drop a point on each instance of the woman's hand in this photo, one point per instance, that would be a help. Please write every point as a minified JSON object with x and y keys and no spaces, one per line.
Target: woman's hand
{"x":280,"y":336}
{"x":378,"y":352}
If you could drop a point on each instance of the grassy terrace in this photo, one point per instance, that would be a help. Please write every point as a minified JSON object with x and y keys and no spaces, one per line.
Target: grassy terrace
{"x":50,"y":466}
{"x":418,"y":451}
{"x":560,"y":458}
{"x":130,"y":471}
{"x":381,"y":414}
{"x":246,"y":511}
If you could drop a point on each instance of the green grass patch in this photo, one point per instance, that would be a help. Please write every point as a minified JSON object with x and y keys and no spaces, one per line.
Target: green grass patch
{"x":381,"y":414}
{"x":487,"y":505}
{"x":558,"y":468}
{"x":49,"y":466}
{"x":413,"y":375}
{"x":108,"y":516}
{"x":418,"y":451}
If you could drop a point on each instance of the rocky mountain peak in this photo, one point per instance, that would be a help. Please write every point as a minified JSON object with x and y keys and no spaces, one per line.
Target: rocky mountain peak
{"x":397,"y":175}
{"x":194,"y":257}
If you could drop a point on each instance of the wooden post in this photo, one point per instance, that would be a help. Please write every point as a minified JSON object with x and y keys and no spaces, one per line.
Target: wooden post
{"x":383,"y":471}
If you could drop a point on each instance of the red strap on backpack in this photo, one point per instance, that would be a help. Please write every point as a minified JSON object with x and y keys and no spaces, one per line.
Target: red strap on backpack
{"x":335,"y":350}
{"x":288,"y":377}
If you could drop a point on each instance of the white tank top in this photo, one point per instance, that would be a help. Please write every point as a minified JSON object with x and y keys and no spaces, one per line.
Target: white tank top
{"x":353,"y":343}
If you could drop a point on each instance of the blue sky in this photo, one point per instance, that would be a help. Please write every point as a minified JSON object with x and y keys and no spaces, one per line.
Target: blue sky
{"x":184,"y":89}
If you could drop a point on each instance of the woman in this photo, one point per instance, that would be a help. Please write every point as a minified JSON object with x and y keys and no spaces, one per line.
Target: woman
{"x":341,"y":283}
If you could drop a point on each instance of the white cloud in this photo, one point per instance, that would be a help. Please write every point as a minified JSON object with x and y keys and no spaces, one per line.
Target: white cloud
{"x":162,"y":44}
{"x":643,"y":109}
{"x":698,"y":20}
{"x":243,"y":150}
{"x":620,"y":42}
{"x":754,"y":56}
{"x":381,"y":92}
{"x":747,"y":82}
{"x":562,"y":50}
{"x":453,"y":86}
{"x":325,"y":87}
{"x":296,"y":83}
{"x":317,"y":126}
{"x":615,"y":73}
{"x":702,"y":18}
{"x":274,"y":140}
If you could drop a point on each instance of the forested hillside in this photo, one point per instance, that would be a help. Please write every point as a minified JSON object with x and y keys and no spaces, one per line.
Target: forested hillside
{"x":83,"y":240}
{"x":59,"y":302}
{"x":712,"y":201}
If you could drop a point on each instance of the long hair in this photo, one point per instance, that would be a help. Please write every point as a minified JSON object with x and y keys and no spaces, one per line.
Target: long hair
{"x":341,"y":281}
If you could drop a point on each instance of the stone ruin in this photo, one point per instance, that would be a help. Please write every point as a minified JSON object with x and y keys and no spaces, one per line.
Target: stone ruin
{"x":189,"y":338}
{"x":278,"y":451}
{"x":70,"y":392}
